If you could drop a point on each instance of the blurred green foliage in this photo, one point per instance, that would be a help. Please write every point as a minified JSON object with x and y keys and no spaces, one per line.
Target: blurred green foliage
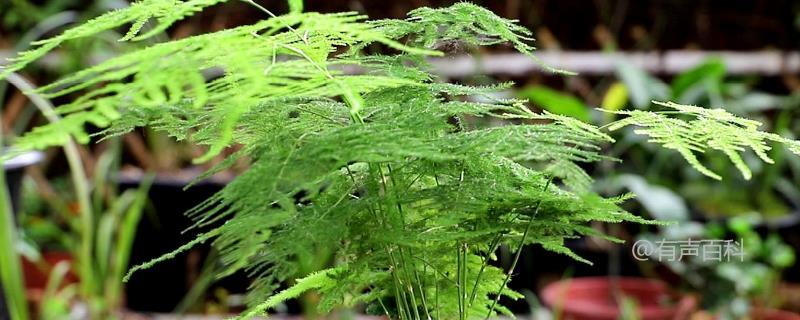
{"x":730,"y":287}
{"x":772,"y":192}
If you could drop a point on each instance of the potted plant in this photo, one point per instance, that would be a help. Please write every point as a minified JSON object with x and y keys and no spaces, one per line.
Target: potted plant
{"x":731,"y":288}
{"x":604,"y":298}
{"x":375,"y":166}
{"x":54,"y":280}
{"x":93,"y":245}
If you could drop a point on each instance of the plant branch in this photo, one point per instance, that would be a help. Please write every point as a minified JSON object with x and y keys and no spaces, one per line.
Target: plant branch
{"x":518,"y":253}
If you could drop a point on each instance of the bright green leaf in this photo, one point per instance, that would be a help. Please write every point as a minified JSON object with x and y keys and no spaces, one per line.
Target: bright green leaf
{"x":712,"y":70}
{"x":556,"y":102}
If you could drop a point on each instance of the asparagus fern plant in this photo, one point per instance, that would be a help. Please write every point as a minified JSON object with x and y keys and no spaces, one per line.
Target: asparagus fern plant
{"x":374,"y":165}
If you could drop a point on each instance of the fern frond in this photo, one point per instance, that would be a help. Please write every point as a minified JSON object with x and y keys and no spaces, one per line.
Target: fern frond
{"x":166,"y":12}
{"x":198,"y":240}
{"x":172,"y":72}
{"x":572,"y":175}
{"x":462,"y":22}
{"x":318,"y":280}
{"x":706,"y":129}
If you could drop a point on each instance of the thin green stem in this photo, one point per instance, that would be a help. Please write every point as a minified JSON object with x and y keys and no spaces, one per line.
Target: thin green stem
{"x":400,"y":294}
{"x":272,"y":15}
{"x":88,"y":283}
{"x":423,"y":300}
{"x":436,"y":304}
{"x":400,"y":298}
{"x":518,"y":253}
{"x":421,"y":286}
{"x":409,"y":284}
{"x":492,"y":247}
{"x":383,"y":306}
{"x":459,"y":285}
{"x":10,"y":267}
{"x":463,"y":282}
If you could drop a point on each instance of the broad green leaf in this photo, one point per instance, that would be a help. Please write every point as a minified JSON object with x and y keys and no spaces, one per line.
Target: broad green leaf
{"x":710,"y":72}
{"x":556,"y":102}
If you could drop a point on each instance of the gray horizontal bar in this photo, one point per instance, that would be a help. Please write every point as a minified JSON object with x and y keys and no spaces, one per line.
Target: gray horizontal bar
{"x":597,"y":62}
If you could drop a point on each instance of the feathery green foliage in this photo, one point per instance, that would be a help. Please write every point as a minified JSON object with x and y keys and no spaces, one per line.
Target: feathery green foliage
{"x":164,"y":12}
{"x":377,"y":166}
{"x":707,"y":129}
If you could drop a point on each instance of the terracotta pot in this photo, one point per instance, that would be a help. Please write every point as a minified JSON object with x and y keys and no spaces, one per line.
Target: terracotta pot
{"x":592,"y":298}
{"x":773,"y":314}
{"x":757,"y":314}
{"x":37,"y":274}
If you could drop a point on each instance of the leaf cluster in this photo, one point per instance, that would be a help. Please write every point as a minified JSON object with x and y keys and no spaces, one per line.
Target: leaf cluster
{"x":705,"y":129}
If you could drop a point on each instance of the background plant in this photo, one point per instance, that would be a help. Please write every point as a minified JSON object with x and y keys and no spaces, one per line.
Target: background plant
{"x":731,"y":288}
{"x":377,"y":167}
{"x":117,"y":215}
{"x":10,"y":268}
{"x":708,"y":84}
{"x":100,"y":234}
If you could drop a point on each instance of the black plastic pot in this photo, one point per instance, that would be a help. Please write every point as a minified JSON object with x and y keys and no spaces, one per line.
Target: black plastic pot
{"x":161,"y":288}
{"x":14,"y":171}
{"x":162,"y":229}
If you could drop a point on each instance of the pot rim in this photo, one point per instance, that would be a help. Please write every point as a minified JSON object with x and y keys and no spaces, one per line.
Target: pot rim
{"x":553,"y":296}
{"x":23,"y":160}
